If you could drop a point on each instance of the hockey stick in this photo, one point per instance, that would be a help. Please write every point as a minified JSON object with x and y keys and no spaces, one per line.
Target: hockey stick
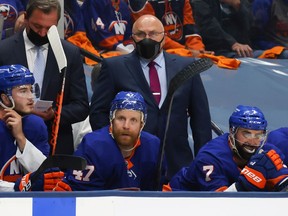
{"x":90,"y":55}
{"x":1,"y":25}
{"x":216,"y":128}
{"x":180,"y":78}
{"x":60,"y":161}
{"x":60,"y":56}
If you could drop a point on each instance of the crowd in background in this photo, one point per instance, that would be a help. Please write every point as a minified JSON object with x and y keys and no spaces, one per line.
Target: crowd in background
{"x":231,"y":28}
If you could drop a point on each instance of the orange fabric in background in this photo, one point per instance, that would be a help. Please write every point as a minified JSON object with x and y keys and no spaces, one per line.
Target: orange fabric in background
{"x":80,"y":39}
{"x":195,"y":42}
{"x":272,"y":53}
{"x":222,"y":61}
{"x":180,"y":51}
{"x":171,"y":44}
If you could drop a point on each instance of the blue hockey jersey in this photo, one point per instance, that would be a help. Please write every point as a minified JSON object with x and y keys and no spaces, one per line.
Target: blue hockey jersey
{"x":73,"y":19}
{"x":107,"y":169}
{"x":35,"y":131}
{"x":10,"y":9}
{"x":107,"y":25}
{"x":279,"y":138}
{"x":213,"y":169}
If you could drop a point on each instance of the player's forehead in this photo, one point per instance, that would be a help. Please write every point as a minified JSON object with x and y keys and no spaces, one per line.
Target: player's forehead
{"x":245,"y":130}
{"x":27,"y":86}
{"x":128,"y":113}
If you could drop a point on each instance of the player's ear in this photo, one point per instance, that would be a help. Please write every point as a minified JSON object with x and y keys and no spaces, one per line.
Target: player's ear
{"x":5,"y":99}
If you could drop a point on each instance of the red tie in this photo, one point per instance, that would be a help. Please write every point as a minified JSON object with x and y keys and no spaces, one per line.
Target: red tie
{"x":154,"y":82}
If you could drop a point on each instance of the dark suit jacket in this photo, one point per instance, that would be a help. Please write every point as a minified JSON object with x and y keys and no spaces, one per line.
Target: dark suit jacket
{"x":75,"y":103}
{"x":124,"y":73}
{"x":219,"y":31}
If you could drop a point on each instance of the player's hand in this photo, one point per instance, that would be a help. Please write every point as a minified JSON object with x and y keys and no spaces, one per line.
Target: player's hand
{"x":13,"y":121}
{"x":242,"y":50}
{"x":277,"y":179}
{"x":264,"y":172}
{"x":46,"y":182}
{"x":62,"y":186}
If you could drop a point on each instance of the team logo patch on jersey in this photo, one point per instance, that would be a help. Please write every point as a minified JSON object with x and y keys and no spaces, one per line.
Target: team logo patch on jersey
{"x":9,"y":13}
{"x":68,"y":25}
{"x":118,"y":26}
{"x":173,"y":26}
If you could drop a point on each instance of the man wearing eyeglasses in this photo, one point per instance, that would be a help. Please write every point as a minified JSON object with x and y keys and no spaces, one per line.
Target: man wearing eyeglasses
{"x":131,"y":72}
{"x":236,"y":161}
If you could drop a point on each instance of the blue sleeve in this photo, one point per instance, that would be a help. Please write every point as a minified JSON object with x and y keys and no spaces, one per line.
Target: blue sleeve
{"x":279,"y":138}
{"x":73,"y":16}
{"x":205,"y":173}
{"x":105,"y":26}
{"x":102,"y":172}
{"x":261,"y":14}
{"x":182,"y":180}
{"x":36,"y":132}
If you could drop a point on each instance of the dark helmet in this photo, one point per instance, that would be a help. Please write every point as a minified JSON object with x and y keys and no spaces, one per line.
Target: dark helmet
{"x":248,"y":117}
{"x":14,"y":75}
{"x":130,"y":101}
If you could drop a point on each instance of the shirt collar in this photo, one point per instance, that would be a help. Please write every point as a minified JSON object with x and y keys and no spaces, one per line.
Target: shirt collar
{"x":157,"y":60}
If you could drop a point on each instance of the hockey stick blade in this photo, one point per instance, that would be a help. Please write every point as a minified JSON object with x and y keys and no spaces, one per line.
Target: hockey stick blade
{"x":55,"y":42}
{"x":186,"y":73}
{"x":62,"y":162}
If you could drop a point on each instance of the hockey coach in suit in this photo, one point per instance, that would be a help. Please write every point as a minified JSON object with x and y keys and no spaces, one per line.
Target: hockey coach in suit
{"x":131,"y":73}
{"x":21,"y":49}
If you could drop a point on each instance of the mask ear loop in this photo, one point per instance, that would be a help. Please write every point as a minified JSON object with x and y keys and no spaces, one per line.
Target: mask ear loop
{"x":12,"y":101}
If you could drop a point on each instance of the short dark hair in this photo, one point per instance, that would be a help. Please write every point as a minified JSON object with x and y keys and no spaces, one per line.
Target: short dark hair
{"x":46,"y":6}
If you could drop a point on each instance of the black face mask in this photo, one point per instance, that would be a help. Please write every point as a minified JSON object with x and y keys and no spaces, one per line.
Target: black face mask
{"x":36,"y":39}
{"x":148,"y":48}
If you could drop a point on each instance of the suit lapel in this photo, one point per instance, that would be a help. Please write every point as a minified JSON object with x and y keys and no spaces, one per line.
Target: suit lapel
{"x":171,"y":71}
{"x":170,"y":62}
{"x":134,"y":67}
{"x":19,"y":51}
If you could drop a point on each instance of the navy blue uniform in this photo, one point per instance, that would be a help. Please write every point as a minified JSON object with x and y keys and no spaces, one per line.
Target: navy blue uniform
{"x":279,"y":138}
{"x":35,"y":131}
{"x":214,"y":168}
{"x":107,"y":169}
